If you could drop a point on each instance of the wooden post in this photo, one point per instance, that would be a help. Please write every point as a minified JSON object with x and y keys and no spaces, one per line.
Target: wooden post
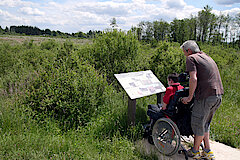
{"x":160,"y":97}
{"x":131,"y":111}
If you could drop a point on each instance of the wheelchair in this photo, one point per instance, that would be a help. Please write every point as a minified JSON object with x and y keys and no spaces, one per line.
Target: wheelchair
{"x":167,"y":127}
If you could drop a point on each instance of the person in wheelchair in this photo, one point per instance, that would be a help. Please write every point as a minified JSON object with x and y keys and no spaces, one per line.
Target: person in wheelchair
{"x":171,"y":89}
{"x":171,"y":111}
{"x":158,"y":111}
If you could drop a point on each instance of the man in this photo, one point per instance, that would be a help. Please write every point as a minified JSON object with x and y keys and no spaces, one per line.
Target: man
{"x":205,"y":82}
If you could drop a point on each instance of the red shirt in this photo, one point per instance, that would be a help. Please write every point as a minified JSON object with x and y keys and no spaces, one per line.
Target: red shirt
{"x":170,"y":91}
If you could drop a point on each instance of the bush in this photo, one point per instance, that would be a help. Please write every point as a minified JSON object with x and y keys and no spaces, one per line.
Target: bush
{"x":19,"y":64}
{"x":50,"y":44}
{"x":166,"y":60}
{"x":115,"y":52}
{"x":8,"y":60}
{"x":70,"y":90}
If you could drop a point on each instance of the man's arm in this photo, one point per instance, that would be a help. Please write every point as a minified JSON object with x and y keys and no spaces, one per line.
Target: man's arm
{"x":192,"y":87}
{"x":164,"y":106}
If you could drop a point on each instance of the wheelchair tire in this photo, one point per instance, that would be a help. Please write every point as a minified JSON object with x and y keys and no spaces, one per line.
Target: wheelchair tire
{"x":166,"y":136}
{"x":150,"y":140}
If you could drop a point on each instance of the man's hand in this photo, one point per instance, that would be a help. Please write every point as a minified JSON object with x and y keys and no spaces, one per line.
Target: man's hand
{"x":164,"y":108}
{"x":186,"y":100}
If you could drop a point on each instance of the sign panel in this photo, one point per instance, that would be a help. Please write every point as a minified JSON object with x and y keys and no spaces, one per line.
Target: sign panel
{"x":140,"y":84}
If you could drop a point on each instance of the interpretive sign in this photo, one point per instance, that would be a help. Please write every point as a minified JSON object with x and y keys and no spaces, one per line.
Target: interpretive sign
{"x":140,"y":84}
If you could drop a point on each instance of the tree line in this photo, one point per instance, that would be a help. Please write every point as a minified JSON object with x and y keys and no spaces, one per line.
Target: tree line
{"x":204,"y":27}
{"x":29,"y":30}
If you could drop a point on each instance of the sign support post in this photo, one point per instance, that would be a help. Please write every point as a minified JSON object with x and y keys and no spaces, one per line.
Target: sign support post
{"x":131,"y":111}
{"x":160,"y":97}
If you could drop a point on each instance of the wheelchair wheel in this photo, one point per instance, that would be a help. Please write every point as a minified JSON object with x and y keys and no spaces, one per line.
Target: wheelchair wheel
{"x":166,"y":136}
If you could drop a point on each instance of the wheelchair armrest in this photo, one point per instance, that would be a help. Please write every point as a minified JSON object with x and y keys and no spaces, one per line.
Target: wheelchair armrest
{"x":166,"y":112}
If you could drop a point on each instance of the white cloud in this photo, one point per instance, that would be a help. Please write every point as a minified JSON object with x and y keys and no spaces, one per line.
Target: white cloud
{"x":31,"y":11}
{"x":15,"y":3}
{"x":107,"y":8}
{"x":175,"y":3}
{"x":226,"y":2}
{"x":81,"y":15}
{"x":9,"y":19}
{"x":231,"y":12}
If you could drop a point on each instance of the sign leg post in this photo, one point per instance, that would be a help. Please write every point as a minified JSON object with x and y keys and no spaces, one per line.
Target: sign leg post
{"x":131,"y":111}
{"x":160,"y":97}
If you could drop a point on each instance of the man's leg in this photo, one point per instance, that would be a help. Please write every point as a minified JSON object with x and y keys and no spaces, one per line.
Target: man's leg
{"x":207,"y":153}
{"x":213,"y":104}
{"x":197,"y":122}
{"x":197,"y":142}
{"x":194,"y":152}
{"x":206,"y":140}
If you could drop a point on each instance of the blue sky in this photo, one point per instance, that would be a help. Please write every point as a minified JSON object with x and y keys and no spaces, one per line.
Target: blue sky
{"x":84,"y":15}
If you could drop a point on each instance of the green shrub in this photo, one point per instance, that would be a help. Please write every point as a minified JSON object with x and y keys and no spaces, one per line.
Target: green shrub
{"x":7,"y":60}
{"x":50,"y":44}
{"x":115,"y":52}
{"x":70,"y":90}
{"x":166,"y":60}
{"x":19,"y":64}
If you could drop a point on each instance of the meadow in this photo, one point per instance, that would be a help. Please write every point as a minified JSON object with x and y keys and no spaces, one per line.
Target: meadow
{"x":59,"y":99}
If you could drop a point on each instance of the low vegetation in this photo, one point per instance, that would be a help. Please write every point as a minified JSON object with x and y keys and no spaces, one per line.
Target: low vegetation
{"x":61,"y":100}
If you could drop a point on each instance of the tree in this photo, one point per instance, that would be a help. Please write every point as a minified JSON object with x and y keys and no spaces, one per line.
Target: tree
{"x":237,"y":23}
{"x":212,"y":26}
{"x":145,"y":31}
{"x":59,"y":33}
{"x":113,"y":23}
{"x":90,"y":34}
{"x":204,"y":18}
{"x":226,"y":26}
{"x":174,"y":29}
{"x":149,"y":31}
{"x":137,"y":31}
{"x":48,"y":32}
{"x":13,"y":28}
{"x":54,"y":33}
{"x":81,"y":35}
{"x":141,"y":30}
{"x":220,"y":21}
{"x":178,"y":30}
{"x":1,"y":30}
{"x":160,"y":30}
{"x":6,"y":29}
{"x":192,"y":26}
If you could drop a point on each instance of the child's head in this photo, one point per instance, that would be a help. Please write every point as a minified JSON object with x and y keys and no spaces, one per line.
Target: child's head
{"x":172,"y":78}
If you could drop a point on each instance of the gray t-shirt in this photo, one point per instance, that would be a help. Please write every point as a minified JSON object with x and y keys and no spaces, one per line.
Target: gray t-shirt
{"x":208,"y":77}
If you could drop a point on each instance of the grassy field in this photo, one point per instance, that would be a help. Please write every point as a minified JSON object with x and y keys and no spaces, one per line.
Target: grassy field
{"x":59,"y":98}
{"x":36,"y":39}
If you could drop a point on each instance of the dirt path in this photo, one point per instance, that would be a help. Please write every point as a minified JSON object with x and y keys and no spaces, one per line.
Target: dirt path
{"x":221,"y":151}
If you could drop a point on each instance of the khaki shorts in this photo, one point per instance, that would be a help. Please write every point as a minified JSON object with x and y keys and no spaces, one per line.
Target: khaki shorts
{"x":202,"y":114}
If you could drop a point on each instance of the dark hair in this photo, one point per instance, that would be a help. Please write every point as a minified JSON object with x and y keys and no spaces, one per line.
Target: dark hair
{"x":173,"y":76}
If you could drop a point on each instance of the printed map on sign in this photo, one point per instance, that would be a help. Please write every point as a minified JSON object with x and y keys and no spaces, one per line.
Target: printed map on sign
{"x":140,"y":84}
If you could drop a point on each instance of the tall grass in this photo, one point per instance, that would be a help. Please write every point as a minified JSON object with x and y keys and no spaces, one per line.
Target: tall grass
{"x":104,"y":137}
{"x":50,"y":109}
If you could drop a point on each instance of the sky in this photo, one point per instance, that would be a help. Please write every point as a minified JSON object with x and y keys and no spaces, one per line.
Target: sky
{"x":72,"y":16}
